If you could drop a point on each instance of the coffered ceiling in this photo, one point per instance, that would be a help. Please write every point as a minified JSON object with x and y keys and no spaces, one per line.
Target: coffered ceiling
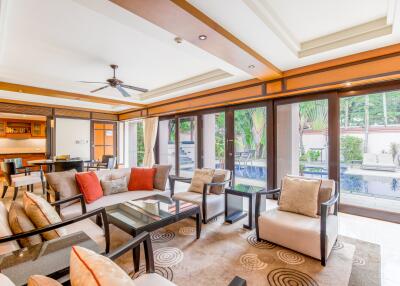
{"x":56,"y":44}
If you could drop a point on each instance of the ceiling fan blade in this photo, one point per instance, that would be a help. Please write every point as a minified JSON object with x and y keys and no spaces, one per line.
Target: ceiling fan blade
{"x":122,"y":91}
{"x":100,"y":88}
{"x":92,"y":82}
{"x":135,"y":88}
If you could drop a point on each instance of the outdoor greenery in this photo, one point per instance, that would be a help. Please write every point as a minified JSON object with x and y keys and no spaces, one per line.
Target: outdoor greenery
{"x":220,"y":136}
{"x":313,"y":155}
{"x":351,"y":147}
{"x":140,"y":143}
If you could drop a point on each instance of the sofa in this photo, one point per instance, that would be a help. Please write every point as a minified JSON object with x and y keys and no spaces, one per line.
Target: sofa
{"x":62,"y":185}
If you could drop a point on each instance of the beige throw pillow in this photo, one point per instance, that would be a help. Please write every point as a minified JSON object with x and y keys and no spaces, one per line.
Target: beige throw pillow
{"x":88,"y":268}
{"x":42,"y":214}
{"x":114,"y":186}
{"x":299,"y":196}
{"x":20,"y":222}
{"x":220,"y":176}
{"x":39,"y":280}
{"x":161,"y":176}
{"x":65,"y":184}
{"x":201,"y":177}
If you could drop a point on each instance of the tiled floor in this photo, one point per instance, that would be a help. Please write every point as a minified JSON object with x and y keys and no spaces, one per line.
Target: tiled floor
{"x":386,"y":234}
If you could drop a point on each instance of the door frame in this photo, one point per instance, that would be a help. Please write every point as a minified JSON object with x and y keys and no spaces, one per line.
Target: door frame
{"x":115,"y":136}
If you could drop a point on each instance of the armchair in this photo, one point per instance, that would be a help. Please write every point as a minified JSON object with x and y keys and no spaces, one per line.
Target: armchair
{"x":314,"y":237}
{"x":76,"y":224}
{"x":211,"y":204}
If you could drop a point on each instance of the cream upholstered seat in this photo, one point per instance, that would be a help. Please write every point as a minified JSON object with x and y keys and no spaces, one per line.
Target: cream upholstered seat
{"x":297,"y":232}
{"x":212,"y":202}
{"x":151,"y":279}
{"x":313,"y":236}
{"x":5,"y":230}
{"x":95,"y":232}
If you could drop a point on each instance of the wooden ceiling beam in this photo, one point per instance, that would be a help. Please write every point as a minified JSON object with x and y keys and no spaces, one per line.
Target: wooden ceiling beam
{"x":184,"y":20}
{"x":63,"y":94}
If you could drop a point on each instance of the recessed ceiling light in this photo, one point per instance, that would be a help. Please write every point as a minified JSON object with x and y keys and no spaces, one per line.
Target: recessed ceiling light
{"x":178,"y":40}
{"x":251,"y":66}
{"x":202,"y":37}
{"x":348,"y":83}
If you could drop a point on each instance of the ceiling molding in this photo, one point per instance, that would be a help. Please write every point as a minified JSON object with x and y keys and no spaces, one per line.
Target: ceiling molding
{"x":266,"y":14}
{"x":30,"y":103}
{"x":63,"y":94}
{"x":353,"y":35}
{"x":184,"y":20}
{"x":204,"y":78}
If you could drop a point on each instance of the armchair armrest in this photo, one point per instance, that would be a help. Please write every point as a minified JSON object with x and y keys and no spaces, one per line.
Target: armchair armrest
{"x":326,"y":205}
{"x":237,"y":281}
{"x":257,"y":205}
{"x":76,"y":197}
{"x":219,"y":184}
{"x":173,"y":178}
{"x":144,"y":238}
{"x":100,"y":211}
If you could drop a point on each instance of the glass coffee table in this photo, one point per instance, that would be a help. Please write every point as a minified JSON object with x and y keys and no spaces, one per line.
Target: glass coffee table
{"x":234,"y":203}
{"x":149,"y":214}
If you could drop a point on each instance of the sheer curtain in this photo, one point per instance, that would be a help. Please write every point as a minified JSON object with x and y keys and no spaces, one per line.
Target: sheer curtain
{"x":150,"y":134}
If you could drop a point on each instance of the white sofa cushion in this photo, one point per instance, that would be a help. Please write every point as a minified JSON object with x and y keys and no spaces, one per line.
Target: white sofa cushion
{"x":21,"y":181}
{"x":152,"y":279}
{"x":297,"y":232}
{"x":6,"y":231}
{"x":75,"y":210}
{"x":215,"y":203}
{"x":5,"y":281}
{"x":92,"y":230}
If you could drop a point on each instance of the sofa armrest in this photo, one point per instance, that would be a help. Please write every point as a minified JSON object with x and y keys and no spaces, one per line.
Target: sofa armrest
{"x":259,"y":196}
{"x":219,"y":184}
{"x":324,"y":224}
{"x":144,"y":238}
{"x":76,"y":197}
{"x":172,"y":179}
{"x":100,"y":211}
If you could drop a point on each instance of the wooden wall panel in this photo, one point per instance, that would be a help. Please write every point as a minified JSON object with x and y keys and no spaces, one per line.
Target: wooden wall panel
{"x":72,"y":113}
{"x":372,"y":68}
{"x":24,"y":109}
{"x":274,"y":87}
{"x":224,"y":98}
{"x":104,"y":116}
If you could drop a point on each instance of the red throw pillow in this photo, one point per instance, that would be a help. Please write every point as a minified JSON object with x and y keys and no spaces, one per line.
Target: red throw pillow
{"x":141,"y":179}
{"x":89,"y":185}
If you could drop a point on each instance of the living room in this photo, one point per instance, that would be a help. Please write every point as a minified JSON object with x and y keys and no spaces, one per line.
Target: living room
{"x":170,"y":142}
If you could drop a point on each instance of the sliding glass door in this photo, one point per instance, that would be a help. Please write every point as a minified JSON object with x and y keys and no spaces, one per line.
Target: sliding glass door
{"x":250,"y":146}
{"x":187,"y":148}
{"x":214,"y":140}
{"x":302,"y":139}
{"x":370,"y":150}
{"x":166,"y":143}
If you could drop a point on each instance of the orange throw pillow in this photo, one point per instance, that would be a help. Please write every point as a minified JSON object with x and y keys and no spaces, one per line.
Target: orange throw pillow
{"x":141,"y":179}
{"x":89,"y":185}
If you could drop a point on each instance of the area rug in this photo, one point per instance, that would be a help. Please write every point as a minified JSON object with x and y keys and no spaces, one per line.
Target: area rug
{"x":227,"y":250}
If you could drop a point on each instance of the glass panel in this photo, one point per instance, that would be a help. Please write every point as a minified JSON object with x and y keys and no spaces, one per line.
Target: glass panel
{"x":187,"y":146}
{"x":99,"y":137}
{"x":302,"y":139}
{"x":98,"y":152}
{"x":166,"y":136}
{"x":250,"y":146}
{"x":214,"y":140}
{"x":136,"y":144}
{"x":369,"y":150}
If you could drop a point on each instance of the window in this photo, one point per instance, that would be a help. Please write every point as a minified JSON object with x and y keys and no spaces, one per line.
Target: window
{"x":187,"y":146}
{"x":302,"y":139}
{"x":214,"y":140}
{"x":135,"y":143}
{"x":369,"y":149}
{"x":166,"y":143}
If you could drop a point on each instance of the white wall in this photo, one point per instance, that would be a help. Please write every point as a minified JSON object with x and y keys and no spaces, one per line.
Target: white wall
{"x":73,"y":137}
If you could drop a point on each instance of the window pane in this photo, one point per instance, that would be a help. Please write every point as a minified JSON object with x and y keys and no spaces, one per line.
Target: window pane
{"x":135,"y":146}
{"x":166,"y":144}
{"x":250,"y":146}
{"x":187,"y":146}
{"x":369,"y":150}
{"x":214,"y":140}
{"x":302,"y":139}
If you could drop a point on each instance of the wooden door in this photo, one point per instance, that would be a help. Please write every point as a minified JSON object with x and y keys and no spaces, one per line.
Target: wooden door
{"x":104,"y":139}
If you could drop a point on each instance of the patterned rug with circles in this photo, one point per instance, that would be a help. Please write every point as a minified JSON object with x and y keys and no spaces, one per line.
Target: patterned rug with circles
{"x":227,"y":250}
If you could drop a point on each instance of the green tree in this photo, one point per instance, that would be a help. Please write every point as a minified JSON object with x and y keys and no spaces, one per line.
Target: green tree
{"x":351,"y":148}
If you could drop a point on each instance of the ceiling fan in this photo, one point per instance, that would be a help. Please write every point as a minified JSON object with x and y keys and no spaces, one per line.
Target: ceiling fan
{"x":116,"y":83}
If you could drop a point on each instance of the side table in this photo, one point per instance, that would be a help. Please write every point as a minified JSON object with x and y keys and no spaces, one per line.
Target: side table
{"x":234,"y":202}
